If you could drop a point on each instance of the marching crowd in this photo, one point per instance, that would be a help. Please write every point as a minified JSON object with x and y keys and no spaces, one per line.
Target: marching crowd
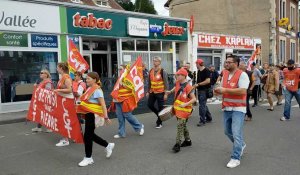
{"x":235,"y":86}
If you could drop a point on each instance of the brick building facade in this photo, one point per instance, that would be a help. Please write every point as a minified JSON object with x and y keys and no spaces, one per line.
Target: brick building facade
{"x":256,"y":18}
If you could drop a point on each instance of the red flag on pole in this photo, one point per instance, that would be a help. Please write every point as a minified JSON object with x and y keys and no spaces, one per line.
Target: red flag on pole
{"x":56,"y":113}
{"x":134,"y":79}
{"x":75,"y":60}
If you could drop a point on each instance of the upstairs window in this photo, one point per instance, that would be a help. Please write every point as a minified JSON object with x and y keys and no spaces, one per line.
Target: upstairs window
{"x":102,"y":3}
{"x":77,"y":1}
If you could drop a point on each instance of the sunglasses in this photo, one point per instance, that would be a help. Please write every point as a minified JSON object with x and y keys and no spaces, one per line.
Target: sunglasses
{"x":229,"y":62}
{"x":41,"y":72}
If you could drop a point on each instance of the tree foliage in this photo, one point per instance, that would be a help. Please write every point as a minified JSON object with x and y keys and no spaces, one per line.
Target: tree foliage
{"x":143,"y":6}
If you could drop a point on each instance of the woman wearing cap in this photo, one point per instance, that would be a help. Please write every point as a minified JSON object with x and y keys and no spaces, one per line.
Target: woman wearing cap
{"x":183,"y":107}
{"x":46,"y":84}
{"x":92,"y":103}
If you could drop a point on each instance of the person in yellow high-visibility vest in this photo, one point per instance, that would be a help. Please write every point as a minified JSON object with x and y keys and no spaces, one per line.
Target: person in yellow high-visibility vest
{"x":183,"y":108}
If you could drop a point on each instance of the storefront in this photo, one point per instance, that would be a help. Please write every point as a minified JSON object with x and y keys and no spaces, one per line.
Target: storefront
{"x":29,"y":42}
{"x":212,"y":48}
{"x":108,"y":39}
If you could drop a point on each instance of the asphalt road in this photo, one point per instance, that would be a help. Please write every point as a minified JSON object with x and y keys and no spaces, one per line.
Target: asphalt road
{"x":272,"y":149}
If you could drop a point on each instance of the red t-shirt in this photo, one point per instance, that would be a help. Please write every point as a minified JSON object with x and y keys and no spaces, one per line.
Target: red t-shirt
{"x":291,"y":79}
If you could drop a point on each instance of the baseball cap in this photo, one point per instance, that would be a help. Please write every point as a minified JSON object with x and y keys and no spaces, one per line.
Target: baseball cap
{"x":199,"y":61}
{"x":290,"y":62}
{"x":182,"y":71}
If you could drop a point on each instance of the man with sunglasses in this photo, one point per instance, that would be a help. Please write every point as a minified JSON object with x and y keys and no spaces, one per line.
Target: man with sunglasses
{"x":234,"y":85}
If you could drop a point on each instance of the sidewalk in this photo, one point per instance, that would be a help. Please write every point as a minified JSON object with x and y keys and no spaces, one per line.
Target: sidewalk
{"x":12,"y":117}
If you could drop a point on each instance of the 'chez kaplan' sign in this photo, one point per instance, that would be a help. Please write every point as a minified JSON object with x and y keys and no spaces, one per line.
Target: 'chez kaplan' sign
{"x":225,"y":41}
{"x":20,"y":16}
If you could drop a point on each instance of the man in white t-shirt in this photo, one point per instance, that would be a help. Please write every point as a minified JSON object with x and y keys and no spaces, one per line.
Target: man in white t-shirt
{"x":234,"y":83}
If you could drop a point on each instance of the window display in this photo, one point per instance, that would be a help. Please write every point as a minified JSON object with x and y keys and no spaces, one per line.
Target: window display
{"x":19,"y":71}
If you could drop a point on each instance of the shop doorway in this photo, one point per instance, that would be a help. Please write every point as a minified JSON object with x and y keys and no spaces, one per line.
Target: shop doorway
{"x":100,"y":65}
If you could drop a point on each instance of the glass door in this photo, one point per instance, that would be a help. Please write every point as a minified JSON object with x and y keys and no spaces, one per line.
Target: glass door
{"x":217,"y":63}
{"x":87,"y":58}
{"x":100,"y":65}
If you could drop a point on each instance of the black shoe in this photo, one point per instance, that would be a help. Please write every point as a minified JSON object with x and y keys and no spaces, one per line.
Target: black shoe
{"x":186,"y":143}
{"x":278,"y":104}
{"x":176,"y":148}
{"x":254,"y":105}
{"x":201,"y":124}
{"x":208,"y":121}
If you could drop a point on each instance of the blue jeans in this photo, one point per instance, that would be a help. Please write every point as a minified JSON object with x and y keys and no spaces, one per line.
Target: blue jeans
{"x":203,"y":109}
{"x":137,"y":126}
{"x":233,"y":128}
{"x":288,"y":99}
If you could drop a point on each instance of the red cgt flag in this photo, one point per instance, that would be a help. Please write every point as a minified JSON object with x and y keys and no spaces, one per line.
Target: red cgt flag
{"x":76,"y":61}
{"x":56,"y":113}
{"x":134,"y":79}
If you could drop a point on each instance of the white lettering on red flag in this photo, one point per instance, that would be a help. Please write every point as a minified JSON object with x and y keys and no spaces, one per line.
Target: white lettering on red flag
{"x":76,"y":61}
{"x":56,"y":113}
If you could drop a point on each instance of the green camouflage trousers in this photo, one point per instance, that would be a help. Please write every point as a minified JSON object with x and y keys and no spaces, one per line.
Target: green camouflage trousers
{"x":182,"y":130}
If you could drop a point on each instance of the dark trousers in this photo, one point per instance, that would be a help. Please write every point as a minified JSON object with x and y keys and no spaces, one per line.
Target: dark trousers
{"x":90,"y":136}
{"x":204,"y":113}
{"x":259,"y":92}
{"x":159,"y":97}
{"x":248,"y":113}
{"x":255,"y":94}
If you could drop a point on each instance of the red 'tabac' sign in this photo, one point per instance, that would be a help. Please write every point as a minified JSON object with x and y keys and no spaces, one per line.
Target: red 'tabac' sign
{"x":56,"y":113}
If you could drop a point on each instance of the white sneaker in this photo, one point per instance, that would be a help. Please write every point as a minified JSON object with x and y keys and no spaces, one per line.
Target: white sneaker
{"x":36,"y":129}
{"x":109,"y":149}
{"x":158,"y":126}
{"x":63,"y":142}
{"x":233,"y":163}
{"x":243,"y":148}
{"x":48,"y":130}
{"x":282,"y":119}
{"x":117,"y":136}
{"x":142,"y":130}
{"x":86,"y":161}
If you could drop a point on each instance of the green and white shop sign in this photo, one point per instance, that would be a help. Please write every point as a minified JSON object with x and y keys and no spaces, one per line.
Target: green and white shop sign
{"x":13,"y":39}
{"x":109,"y":24}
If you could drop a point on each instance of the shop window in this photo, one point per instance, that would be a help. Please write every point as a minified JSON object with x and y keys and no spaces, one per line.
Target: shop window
{"x":217,"y":51}
{"x":155,"y":46}
{"x":113,"y":45}
{"x":127,"y":44}
{"x":204,"y":51}
{"x":177,"y":48}
{"x":166,"y":46}
{"x":207,"y":60}
{"x":166,"y":61}
{"x":19,"y":71}
{"x":100,"y":45}
{"x":142,"y":45}
{"x":245,"y":52}
{"x":86,"y":45}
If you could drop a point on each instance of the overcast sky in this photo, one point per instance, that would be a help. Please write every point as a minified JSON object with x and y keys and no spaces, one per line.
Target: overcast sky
{"x":159,"y":7}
